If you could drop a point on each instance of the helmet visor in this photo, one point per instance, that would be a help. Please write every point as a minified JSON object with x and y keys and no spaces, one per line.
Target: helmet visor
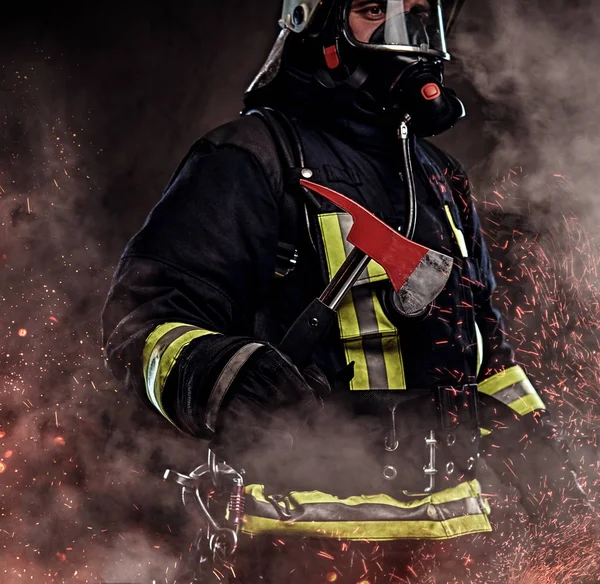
{"x":414,"y":26}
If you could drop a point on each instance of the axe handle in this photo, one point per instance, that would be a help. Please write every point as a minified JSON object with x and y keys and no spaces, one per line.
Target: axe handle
{"x":312,"y":325}
{"x":307,"y":332}
{"x":344,"y":278}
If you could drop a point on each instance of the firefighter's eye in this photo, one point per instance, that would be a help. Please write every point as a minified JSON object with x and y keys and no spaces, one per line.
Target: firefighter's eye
{"x":372,"y":11}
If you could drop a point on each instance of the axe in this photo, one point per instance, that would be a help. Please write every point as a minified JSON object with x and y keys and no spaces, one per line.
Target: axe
{"x":417,"y":274}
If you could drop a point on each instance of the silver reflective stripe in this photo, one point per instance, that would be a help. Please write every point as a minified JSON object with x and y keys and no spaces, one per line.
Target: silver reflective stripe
{"x":224,"y":381}
{"x":376,"y":369}
{"x":373,"y":271}
{"x":370,"y":340}
{"x":511,"y":394}
{"x":346,"y":221}
{"x":369,"y":327}
{"x":362,"y":296}
{"x":368,"y":512}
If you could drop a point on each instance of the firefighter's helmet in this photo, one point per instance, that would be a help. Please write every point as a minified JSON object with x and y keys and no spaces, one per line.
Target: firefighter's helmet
{"x":411,"y":27}
{"x":393,"y":50}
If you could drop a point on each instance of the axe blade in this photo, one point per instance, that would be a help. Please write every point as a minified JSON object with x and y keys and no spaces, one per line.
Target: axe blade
{"x":417,"y":274}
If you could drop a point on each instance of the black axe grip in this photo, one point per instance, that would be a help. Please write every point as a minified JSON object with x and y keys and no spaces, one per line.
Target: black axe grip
{"x":307,"y":332}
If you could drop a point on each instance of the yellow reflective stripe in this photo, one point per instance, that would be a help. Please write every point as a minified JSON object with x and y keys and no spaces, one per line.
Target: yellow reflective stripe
{"x":154,"y":337}
{"x":458,"y":234}
{"x":479,"y":348}
{"x":374,"y":530}
{"x":376,"y":272}
{"x":513,"y":388}
{"x":461,"y":491}
{"x":384,"y":325}
{"x":502,"y":380}
{"x":333,"y":229}
{"x":333,"y":240}
{"x":371,"y":530}
{"x":355,"y":352}
{"x":348,"y":319}
{"x":336,"y":254}
{"x":158,"y":361}
{"x":394,"y":364}
{"x":462,"y":244}
{"x":528,"y":404}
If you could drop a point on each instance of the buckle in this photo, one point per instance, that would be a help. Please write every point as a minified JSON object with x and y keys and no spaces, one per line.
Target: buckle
{"x":286,"y":260}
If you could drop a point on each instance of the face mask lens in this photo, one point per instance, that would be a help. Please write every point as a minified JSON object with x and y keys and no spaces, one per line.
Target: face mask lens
{"x":410,"y":25}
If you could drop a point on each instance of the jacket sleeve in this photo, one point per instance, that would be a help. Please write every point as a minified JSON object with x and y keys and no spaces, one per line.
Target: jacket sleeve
{"x":499,"y":375}
{"x":180,"y":309}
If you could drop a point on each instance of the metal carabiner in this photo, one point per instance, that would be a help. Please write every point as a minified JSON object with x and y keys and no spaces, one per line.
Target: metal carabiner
{"x":222,"y":541}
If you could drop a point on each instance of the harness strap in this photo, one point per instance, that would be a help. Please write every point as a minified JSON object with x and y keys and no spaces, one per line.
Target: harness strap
{"x":289,"y":149}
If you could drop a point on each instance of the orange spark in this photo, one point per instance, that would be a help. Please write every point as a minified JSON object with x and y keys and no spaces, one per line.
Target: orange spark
{"x":22,"y":332}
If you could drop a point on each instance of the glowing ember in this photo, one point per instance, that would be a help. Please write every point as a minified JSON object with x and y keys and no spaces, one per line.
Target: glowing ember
{"x":8,"y":454}
{"x":2,"y":467}
{"x":22,"y":332}
{"x":59,"y":441}
{"x":2,"y":434}
{"x":331,"y":577}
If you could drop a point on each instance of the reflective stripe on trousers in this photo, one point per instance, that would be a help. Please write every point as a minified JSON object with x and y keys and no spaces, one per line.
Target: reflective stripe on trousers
{"x":369,"y":338}
{"x":444,"y":515}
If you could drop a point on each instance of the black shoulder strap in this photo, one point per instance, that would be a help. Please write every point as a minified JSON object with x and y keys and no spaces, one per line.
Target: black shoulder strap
{"x":291,"y":155}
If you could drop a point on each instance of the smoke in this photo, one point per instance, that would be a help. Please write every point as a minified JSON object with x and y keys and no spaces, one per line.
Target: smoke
{"x":82,"y":498}
{"x":94,"y":119}
{"x":533,"y":65}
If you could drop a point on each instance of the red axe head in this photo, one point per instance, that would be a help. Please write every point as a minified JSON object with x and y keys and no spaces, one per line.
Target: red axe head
{"x":418,"y":274}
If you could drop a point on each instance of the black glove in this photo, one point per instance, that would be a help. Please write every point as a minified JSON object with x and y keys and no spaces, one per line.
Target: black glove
{"x":264,"y":409}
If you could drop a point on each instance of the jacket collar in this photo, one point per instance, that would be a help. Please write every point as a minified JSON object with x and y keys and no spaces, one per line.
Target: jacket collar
{"x":348,"y":114}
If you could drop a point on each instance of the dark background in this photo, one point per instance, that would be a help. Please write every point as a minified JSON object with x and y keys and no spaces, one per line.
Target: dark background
{"x":99,"y":102}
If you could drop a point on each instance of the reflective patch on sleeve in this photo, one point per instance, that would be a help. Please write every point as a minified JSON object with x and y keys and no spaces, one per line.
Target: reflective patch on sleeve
{"x":224,"y":381}
{"x":161,"y":351}
{"x":513,"y":389}
{"x":444,"y":515}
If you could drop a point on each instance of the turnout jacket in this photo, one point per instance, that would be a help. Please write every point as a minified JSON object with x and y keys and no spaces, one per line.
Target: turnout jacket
{"x":195,"y":298}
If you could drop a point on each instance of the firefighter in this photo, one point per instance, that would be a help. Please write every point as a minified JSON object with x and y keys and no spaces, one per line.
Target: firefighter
{"x":378,"y":437}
